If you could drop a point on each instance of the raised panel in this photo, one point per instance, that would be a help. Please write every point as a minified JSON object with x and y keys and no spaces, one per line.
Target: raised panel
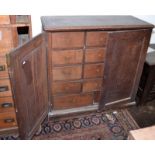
{"x":28,"y":65}
{"x":65,"y":57}
{"x":126,"y":51}
{"x":67,"y":40}
{"x":67,"y":73}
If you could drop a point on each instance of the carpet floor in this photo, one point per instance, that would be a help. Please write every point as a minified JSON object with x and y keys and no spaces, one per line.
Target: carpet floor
{"x":111,"y":125}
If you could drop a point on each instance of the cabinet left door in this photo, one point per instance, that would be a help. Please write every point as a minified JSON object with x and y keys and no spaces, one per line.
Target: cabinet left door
{"x":28,"y":73}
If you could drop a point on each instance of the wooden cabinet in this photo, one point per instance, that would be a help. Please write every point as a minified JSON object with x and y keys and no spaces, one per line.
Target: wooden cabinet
{"x":14,"y":31}
{"x":77,"y":64}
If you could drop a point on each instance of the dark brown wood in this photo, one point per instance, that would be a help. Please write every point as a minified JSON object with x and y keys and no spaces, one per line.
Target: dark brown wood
{"x":72,"y":101}
{"x":70,"y":23}
{"x":126,"y":51}
{"x":31,"y":94}
{"x":146,"y":90}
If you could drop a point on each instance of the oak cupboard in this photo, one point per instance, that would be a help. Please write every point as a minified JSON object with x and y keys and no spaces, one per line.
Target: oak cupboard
{"x":78,"y":63}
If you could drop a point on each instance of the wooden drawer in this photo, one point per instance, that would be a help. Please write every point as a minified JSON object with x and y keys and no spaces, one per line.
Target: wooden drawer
{"x":3,"y":67}
{"x":95,"y":55}
{"x":93,"y":70}
{"x":8,"y":120}
{"x":6,"y":39}
{"x":92,"y":85}
{"x":67,"y":73}
{"x":66,"y":87}
{"x":67,"y":40}
{"x":6,"y":104}
{"x":4,"y":19}
{"x":96,"y":38}
{"x":5,"y":88}
{"x":72,"y":101}
{"x":67,"y":57}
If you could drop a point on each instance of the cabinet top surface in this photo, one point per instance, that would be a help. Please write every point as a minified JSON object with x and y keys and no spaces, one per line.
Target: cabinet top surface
{"x":61,"y":23}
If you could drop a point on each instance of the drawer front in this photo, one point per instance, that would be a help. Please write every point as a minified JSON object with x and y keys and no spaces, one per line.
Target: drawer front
{"x":8,"y":120}
{"x":67,"y":40}
{"x":5,"y":38}
{"x":92,"y":85}
{"x":72,"y":101}
{"x":95,"y":55}
{"x":96,"y":38}
{"x":65,"y":57}
{"x":4,"y":19}
{"x":67,"y":73}
{"x":3,"y":67}
{"x":6,"y":104}
{"x":5,"y":88}
{"x":66,"y":87}
{"x":93,"y":70}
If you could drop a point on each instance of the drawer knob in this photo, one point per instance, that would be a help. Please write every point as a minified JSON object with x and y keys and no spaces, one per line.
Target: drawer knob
{"x":6,"y":105}
{"x":9,"y":120}
{"x":2,"y":67}
{"x":4,"y":88}
{"x":98,"y":70}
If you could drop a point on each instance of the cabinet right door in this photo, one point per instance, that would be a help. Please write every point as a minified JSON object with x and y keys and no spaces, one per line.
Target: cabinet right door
{"x":125,"y":56}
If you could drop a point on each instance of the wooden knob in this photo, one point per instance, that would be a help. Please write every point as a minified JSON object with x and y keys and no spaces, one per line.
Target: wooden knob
{"x":99,"y":55}
{"x":98,"y":70}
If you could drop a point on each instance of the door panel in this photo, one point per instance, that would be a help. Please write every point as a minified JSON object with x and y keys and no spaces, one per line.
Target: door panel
{"x":28,"y":72}
{"x":125,"y":56}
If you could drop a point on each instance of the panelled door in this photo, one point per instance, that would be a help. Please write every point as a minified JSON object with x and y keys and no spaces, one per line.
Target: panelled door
{"x":28,"y":73}
{"x":125,"y":56}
